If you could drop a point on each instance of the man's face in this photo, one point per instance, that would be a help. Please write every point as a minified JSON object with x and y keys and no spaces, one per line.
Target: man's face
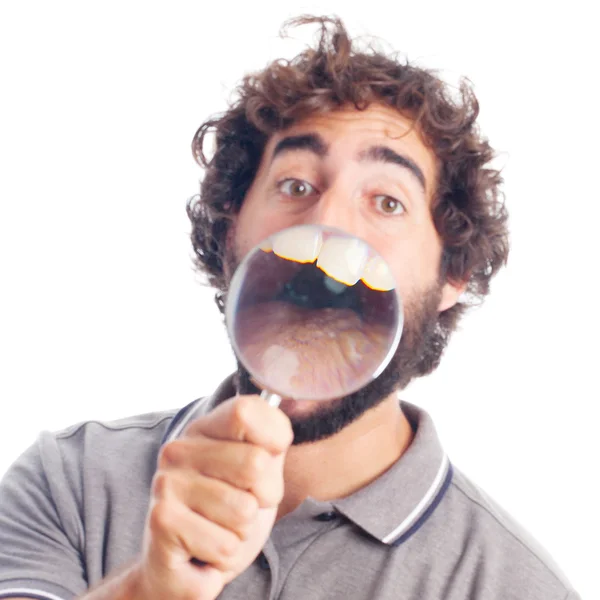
{"x":364,"y":173}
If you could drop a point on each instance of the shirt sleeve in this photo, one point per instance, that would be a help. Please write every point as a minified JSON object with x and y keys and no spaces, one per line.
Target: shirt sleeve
{"x":41,"y":530}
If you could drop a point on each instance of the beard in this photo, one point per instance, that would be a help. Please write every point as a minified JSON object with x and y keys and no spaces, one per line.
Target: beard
{"x":419,"y":352}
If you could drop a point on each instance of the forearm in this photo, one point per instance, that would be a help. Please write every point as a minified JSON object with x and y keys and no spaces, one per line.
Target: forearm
{"x":123,"y":585}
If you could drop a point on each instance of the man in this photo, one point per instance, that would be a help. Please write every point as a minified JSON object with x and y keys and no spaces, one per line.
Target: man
{"x":350,"y":498}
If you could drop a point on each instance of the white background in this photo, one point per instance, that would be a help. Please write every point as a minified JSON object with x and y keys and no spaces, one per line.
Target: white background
{"x":101,"y":313}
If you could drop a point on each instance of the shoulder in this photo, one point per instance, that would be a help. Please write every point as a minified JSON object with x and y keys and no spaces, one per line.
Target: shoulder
{"x":492,"y":540}
{"x":135,"y":433}
{"x":149,"y":421}
{"x":86,"y":489}
{"x":116,"y":449}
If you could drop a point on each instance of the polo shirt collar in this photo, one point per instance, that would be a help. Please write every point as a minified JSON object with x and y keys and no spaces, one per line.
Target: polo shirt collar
{"x":399,"y":501}
{"x":394,"y":506}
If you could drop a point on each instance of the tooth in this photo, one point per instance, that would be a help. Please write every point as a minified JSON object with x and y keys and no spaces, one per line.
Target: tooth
{"x":266,"y":245}
{"x":343,"y":259}
{"x":377,"y":275}
{"x":300,"y":244}
{"x":334,"y":286}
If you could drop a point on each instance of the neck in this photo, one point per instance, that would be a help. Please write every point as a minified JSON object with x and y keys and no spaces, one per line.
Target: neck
{"x":348,"y":461}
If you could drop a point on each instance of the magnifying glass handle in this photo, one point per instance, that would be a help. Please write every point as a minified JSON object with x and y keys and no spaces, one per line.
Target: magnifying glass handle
{"x":271,"y":398}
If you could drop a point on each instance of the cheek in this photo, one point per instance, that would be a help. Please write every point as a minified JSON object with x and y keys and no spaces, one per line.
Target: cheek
{"x":253,"y":225}
{"x":247,"y":227}
{"x":408,"y":286}
{"x":415,"y":266}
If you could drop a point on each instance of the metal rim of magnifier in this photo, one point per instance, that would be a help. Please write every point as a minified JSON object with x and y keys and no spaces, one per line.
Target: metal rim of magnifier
{"x":274,"y":397}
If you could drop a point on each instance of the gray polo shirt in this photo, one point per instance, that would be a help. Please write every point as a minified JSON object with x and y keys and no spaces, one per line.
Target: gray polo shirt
{"x":73,"y":507}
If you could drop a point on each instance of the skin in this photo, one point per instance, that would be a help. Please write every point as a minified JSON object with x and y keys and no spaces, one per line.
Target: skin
{"x":352,"y":195}
{"x":220,"y":487}
{"x":345,"y":194}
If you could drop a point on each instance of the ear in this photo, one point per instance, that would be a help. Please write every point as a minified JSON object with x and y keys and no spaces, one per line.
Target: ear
{"x":451,"y":292}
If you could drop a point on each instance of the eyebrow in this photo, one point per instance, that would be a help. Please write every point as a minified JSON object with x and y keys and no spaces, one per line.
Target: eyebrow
{"x":314,"y":143}
{"x":311,"y":142}
{"x":387,"y":155}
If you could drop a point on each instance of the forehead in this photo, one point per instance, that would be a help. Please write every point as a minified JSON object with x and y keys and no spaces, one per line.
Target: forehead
{"x":347,"y":131}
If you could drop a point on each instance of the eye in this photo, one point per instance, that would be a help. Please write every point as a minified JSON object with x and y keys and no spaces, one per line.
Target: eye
{"x":296,"y":188}
{"x":389,"y":205}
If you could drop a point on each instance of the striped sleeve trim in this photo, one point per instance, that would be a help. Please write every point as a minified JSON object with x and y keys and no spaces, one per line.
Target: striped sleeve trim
{"x":28,"y":593}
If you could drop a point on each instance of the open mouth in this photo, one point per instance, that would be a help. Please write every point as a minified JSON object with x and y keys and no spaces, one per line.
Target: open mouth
{"x":312,"y":289}
{"x":316,"y":313}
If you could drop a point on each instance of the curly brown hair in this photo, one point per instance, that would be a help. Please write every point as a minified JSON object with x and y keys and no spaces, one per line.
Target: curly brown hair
{"x":468,"y":207}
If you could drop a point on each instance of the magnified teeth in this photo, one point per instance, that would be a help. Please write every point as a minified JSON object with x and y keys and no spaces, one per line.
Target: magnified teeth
{"x":343,"y":259}
{"x":300,"y":244}
{"x":377,"y":275}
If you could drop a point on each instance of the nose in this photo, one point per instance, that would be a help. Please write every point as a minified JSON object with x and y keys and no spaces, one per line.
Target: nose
{"x":335,"y":208}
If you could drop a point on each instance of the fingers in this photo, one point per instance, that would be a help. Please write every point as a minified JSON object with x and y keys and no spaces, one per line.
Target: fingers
{"x":243,"y":466}
{"x":214,"y":496}
{"x":179,"y":533}
{"x":226,"y":505}
{"x":246,"y":419}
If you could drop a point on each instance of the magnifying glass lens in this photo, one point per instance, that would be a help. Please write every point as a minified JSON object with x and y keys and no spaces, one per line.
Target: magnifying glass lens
{"x":313,"y":313}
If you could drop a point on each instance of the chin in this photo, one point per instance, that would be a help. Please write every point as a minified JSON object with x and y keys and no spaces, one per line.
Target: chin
{"x":299,"y":408}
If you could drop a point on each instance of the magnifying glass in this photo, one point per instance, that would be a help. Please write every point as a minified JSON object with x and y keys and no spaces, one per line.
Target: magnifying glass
{"x":313,"y":313}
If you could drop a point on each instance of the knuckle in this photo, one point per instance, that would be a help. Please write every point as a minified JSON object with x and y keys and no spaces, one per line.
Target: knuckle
{"x":161,"y":484}
{"x":287,"y":433}
{"x":230,"y":497}
{"x":244,"y":531}
{"x":276,"y":495}
{"x":161,"y":517}
{"x":245,"y":508}
{"x":228,"y":546}
{"x":239,"y":411}
{"x":270,"y":495}
{"x":170,"y":454}
{"x":255,"y":464}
